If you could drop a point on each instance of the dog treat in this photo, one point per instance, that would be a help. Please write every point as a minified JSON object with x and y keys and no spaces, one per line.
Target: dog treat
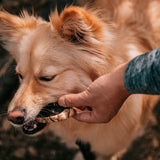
{"x":67,"y":113}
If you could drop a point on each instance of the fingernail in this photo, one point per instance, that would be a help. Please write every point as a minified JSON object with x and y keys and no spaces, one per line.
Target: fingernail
{"x":62,"y":102}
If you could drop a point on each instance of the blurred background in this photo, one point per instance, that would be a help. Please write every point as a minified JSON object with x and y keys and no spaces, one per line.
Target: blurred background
{"x":16,"y":146}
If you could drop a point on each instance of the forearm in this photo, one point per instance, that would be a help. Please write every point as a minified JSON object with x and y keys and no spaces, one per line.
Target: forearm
{"x":142,"y":74}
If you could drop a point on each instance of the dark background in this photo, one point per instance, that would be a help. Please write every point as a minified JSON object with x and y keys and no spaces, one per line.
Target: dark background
{"x":16,"y":146}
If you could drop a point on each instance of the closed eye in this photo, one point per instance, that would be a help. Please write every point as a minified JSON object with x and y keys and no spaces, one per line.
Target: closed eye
{"x":43,"y":78}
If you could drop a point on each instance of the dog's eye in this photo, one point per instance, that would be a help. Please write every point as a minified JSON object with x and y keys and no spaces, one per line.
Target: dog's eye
{"x":20,"y":76}
{"x":46,"y":78}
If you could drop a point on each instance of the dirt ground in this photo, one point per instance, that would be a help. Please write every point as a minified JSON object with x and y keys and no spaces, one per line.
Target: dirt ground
{"x":14,"y":145}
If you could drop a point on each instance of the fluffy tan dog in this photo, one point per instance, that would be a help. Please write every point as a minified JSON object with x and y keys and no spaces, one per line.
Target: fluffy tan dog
{"x":67,"y":54}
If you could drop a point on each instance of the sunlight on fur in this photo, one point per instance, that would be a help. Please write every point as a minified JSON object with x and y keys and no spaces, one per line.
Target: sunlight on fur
{"x":73,"y":49}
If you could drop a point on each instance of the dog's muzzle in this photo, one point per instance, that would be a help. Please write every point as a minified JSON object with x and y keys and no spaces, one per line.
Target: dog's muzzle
{"x":50,"y":113}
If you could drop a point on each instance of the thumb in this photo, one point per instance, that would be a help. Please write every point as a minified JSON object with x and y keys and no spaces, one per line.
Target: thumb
{"x":74,"y":100}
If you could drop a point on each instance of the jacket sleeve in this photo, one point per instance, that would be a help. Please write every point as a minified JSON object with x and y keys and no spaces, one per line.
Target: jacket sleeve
{"x":142,"y":74}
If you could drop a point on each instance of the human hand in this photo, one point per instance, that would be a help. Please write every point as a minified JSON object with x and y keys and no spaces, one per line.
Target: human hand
{"x":105,"y":96}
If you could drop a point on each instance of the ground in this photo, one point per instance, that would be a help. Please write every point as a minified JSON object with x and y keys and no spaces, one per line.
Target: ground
{"x":14,"y":145}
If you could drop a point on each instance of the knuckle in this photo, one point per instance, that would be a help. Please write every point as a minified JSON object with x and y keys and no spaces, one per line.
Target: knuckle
{"x":69,"y":101}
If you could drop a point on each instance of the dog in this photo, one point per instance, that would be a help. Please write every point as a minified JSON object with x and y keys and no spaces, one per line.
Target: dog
{"x":66,"y":54}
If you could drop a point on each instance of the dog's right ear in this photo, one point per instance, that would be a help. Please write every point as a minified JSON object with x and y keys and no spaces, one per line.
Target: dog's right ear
{"x":77,"y":25}
{"x":12,"y":28}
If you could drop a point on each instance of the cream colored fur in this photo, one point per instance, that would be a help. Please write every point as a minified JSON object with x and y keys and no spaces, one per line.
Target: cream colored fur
{"x":78,"y":46}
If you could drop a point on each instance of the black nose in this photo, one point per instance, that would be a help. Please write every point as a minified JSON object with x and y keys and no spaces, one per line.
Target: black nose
{"x":17,"y":115}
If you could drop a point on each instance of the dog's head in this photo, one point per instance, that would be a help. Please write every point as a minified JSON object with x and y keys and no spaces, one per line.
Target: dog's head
{"x":53,"y":58}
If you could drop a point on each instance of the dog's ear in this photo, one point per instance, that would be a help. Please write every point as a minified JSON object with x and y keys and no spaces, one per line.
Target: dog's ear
{"x":13,"y":27}
{"x":76,"y":24}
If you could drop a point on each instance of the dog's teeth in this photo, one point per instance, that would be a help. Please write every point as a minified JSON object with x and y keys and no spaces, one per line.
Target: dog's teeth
{"x":44,"y":121}
{"x":34,"y":126}
{"x":30,"y":129}
{"x":25,"y":127}
{"x":39,"y":120}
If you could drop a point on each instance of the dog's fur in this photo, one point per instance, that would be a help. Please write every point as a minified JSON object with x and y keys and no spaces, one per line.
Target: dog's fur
{"x":78,"y":46}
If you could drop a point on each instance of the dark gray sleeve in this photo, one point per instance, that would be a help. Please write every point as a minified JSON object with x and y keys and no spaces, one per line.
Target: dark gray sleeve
{"x":142,"y":74}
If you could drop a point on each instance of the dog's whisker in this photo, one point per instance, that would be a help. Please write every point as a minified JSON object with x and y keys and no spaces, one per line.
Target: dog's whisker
{"x":41,"y":115}
{"x":3,"y":114}
{"x":47,"y":111}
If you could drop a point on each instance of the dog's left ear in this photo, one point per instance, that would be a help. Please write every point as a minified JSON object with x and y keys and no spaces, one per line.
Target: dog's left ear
{"x":12,"y":28}
{"x":76,"y":24}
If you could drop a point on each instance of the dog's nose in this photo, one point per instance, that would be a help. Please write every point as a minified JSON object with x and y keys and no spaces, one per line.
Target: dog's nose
{"x":17,"y":116}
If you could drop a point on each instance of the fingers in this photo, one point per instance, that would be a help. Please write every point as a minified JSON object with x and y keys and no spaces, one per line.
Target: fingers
{"x":90,"y":117}
{"x":85,"y":117}
{"x":74,"y":100}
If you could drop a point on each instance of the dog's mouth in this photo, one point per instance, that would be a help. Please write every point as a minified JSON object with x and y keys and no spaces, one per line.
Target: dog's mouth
{"x":51,"y":113}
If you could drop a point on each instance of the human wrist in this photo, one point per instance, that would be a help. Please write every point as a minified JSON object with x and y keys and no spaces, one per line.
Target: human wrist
{"x":118,"y":77}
